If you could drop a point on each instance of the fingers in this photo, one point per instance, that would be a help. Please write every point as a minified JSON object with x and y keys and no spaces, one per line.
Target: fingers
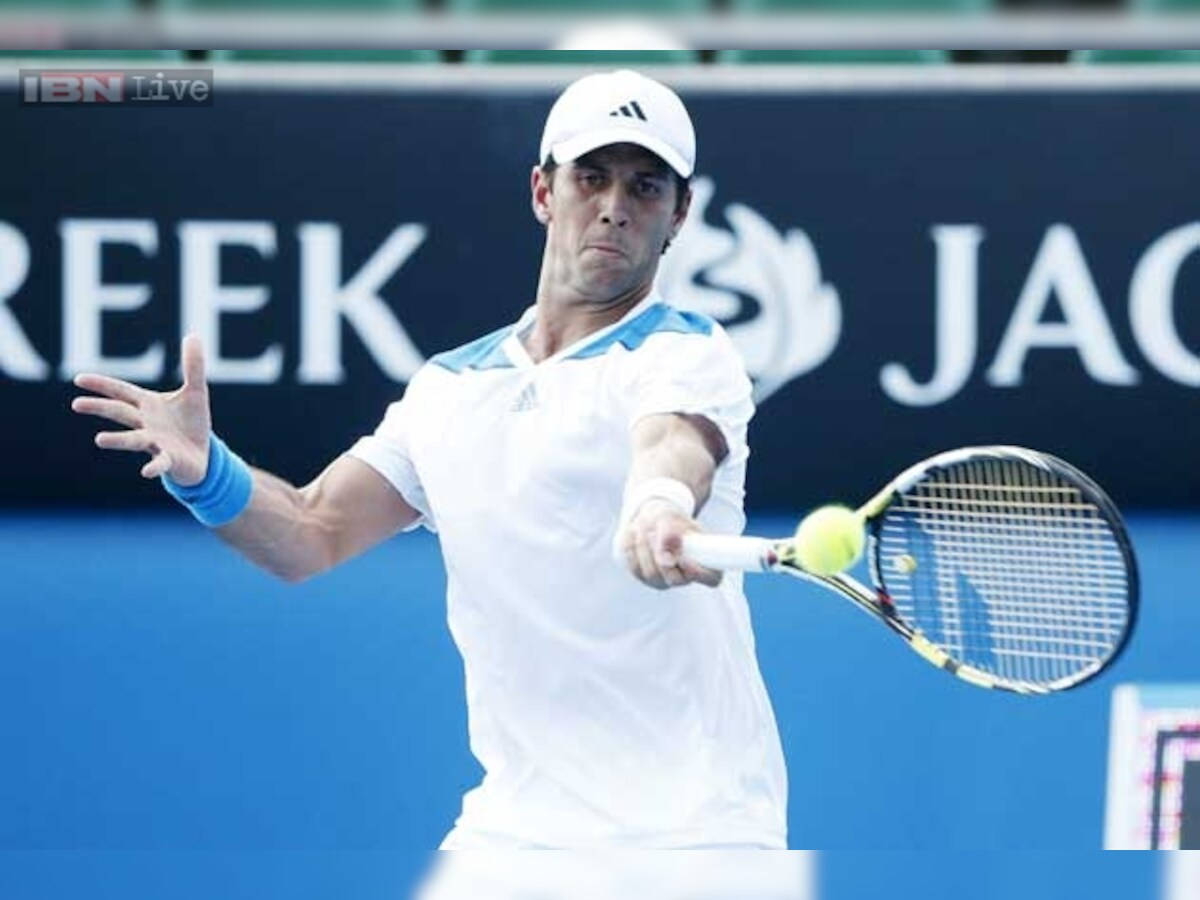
{"x":695,"y":572}
{"x":639,"y":559}
{"x":646,"y":569}
{"x":192,"y":354}
{"x":125,"y":440}
{"x":670,"y":552}
{"x":653,"y":548}
{"x":136,"y":441}
{"x":110,"y":387}
{"x":159,"y":465}
{"x":667,"y":542}
{"x":116,"y":410}
{"x":665,"y":546}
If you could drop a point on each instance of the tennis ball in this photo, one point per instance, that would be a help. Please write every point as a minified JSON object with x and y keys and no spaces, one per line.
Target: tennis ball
{"x":829,"y":540}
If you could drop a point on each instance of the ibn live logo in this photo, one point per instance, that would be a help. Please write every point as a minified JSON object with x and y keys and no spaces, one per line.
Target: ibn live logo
{"x":145,"y":87}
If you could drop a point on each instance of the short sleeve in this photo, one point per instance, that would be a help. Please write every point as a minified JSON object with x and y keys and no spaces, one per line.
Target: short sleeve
{"x":696,"y":374}
{"x":387,"y":452}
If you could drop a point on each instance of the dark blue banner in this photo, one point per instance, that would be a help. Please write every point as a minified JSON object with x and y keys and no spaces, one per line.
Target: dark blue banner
{"x":904,"y":272}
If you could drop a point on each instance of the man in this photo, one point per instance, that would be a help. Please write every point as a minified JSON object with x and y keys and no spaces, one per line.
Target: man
{"x":556,"y":458}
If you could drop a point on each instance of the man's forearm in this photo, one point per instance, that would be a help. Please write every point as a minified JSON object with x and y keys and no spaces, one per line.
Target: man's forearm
{"x":278,"y":532}
{"x":674,"y":446}
{"x":297,"y":532}
{"x":670,"y":479}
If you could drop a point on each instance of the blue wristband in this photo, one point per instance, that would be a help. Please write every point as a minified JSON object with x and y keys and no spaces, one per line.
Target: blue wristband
{"x":225,"y":490}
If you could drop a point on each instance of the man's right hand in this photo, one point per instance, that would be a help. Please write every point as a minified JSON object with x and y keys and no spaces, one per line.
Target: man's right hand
{"x":173,"y":427}
{"x":652,"y":544}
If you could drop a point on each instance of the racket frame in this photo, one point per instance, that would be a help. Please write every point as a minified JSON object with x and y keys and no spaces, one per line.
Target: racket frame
{"x":779,"y":557}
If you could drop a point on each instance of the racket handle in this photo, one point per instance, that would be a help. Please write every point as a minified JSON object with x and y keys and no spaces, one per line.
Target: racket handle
{"x":729,"y":552}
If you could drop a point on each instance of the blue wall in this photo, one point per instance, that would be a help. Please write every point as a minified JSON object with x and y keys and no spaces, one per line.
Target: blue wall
{"x":160,"y":694}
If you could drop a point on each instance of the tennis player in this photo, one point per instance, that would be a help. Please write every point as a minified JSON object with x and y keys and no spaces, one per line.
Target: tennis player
{"x":560,"y":459}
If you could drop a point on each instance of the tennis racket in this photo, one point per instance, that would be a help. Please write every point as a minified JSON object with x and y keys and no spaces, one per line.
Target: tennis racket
{"x":1004,"y":566}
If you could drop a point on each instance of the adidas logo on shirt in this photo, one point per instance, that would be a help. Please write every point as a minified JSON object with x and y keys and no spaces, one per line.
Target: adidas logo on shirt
{"x":526,"y":400}
{"x":630,"y":110}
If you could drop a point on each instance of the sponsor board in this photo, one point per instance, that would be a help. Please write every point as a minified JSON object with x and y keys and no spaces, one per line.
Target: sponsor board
{"x":902,"y":274}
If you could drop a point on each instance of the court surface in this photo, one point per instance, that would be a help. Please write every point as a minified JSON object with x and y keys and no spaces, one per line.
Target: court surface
{"x":162,"y":695}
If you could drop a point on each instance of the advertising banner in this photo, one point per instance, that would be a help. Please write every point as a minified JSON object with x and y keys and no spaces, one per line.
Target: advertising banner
{"x":903,"y":272}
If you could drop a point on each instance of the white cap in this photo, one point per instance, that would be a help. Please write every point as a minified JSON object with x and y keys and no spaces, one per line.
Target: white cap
{"x":620,"y":107}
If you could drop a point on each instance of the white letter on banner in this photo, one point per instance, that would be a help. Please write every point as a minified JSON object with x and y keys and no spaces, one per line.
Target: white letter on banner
{"x":18,"y":359}
{"x":205,"y":298}
{"x":324,"y":300}
{"x":957,"y":302}
{"x":1152,"y":307}
{"x":1060,"y":268}
{"x":85,"y":297}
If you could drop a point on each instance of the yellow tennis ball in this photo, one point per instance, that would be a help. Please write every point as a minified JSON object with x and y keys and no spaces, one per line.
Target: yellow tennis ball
{"x":829,"y":540}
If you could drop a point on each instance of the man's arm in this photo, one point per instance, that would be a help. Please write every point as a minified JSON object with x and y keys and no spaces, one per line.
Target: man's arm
{"x":295,"y":533}
{"x":684,"y":448}
{"x":292,"y":532}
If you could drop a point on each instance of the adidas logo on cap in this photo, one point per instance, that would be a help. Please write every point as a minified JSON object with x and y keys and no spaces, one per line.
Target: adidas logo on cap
{"x":630,"y":110}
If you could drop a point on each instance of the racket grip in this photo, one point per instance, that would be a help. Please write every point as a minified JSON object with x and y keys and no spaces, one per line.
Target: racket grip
{"x":729,"y":552}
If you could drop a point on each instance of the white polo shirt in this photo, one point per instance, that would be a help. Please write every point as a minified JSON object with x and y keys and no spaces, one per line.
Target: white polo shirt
{"x":604,"y":713}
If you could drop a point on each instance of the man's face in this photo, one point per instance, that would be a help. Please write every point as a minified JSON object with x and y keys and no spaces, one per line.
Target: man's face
{"x":608,"y":215}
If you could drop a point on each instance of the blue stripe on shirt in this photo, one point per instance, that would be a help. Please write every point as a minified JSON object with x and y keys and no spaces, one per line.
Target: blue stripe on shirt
{"x":483,"y":353}
{"x":487,"y":353}
{"x":655,"y":318}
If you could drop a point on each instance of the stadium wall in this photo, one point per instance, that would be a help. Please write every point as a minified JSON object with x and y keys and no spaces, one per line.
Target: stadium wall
{"x":908,"y":264}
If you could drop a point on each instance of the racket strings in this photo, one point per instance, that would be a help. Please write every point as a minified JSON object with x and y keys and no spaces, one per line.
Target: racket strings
{"x":1011,"y":569}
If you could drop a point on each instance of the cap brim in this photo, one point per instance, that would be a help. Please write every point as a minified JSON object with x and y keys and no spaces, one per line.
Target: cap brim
{"x":573,"y":148}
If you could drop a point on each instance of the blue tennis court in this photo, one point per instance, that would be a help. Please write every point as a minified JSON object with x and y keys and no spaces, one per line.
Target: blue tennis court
{"x":163,"y":695}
